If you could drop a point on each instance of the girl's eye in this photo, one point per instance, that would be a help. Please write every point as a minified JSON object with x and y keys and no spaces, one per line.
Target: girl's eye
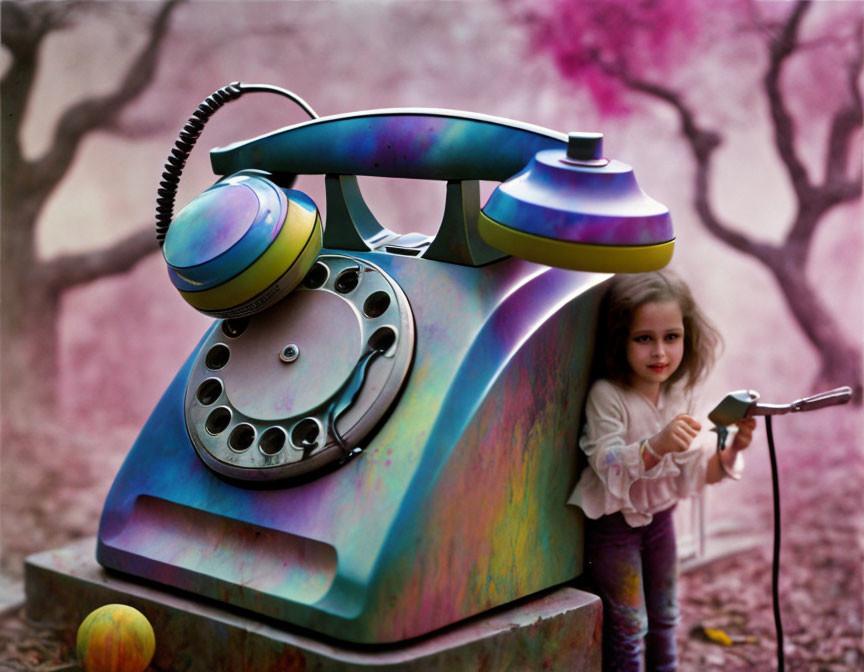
{"x":673,"y":337}
{"x":644,"y":338}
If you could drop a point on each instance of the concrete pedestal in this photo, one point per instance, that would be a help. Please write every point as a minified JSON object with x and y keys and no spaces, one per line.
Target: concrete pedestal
{"x":559,"y":630}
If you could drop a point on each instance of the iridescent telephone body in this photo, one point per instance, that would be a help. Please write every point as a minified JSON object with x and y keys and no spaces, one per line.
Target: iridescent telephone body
{"x":387,"y":448}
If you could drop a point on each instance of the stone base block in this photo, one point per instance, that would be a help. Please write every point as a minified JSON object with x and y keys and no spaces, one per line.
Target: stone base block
{"x":558,"y":630}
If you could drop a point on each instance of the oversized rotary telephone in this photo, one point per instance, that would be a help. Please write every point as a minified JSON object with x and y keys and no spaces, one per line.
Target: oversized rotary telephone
{"x":376,"y":437}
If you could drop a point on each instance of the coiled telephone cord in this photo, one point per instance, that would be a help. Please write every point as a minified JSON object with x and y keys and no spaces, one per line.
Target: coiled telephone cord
{"x":185,"y":142}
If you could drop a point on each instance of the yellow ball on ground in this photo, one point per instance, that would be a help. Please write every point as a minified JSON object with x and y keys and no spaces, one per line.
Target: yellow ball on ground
{"x":115,"y":638}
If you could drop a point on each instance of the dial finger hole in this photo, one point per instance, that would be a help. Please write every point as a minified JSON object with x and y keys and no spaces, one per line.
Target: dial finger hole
{"x":347,"y":281}
{"x":316,"y":276}
{"x":305,"y":433}
{"x":272,"y":441}
{"x":382,"y":339}
{"x":375,"y":304}
{"x":217,"y":357}
{"x":218,"y":420}
{"x":241,"y":437}
{"x":209,"y":391}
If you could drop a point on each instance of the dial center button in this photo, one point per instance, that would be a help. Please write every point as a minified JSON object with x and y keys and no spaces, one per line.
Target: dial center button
{"x":318,"y":323}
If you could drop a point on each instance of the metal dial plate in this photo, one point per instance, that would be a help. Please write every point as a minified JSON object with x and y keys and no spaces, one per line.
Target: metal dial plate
{"x":261,"y":396}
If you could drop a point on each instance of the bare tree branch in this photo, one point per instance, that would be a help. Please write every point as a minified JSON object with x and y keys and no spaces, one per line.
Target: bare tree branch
{"x":101,"y":112}
{"x":24,"y":26}
{"x":813,"y":202}
{"x":76,"y":269}
{"x":22,"y":33}
{"x":702,"y":144}
{"x":29,"y":22}
{"x":784,"y":127}
{"x":837,"y":187}
{"x":848,"y":118}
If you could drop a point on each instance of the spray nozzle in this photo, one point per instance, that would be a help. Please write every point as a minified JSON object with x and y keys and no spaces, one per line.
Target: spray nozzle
{"x":735,"y":406}
{"x":742,"y":404}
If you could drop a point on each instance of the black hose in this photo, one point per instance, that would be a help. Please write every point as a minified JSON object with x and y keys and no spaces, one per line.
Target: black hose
{"x":176,"y":161}
{"x":775,"y":568}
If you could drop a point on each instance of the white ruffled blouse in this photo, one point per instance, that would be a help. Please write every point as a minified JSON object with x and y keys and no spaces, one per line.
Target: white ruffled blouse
{"x":617,"y":420}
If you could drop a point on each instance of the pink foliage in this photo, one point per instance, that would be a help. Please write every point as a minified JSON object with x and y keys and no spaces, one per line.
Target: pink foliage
{"x":592,"y":41}
{"x":588,"y":40}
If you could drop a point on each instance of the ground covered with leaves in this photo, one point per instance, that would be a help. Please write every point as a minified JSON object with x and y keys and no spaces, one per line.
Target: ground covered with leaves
{"x":821,"y":587}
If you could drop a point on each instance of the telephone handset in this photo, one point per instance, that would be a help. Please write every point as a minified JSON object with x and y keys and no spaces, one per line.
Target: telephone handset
{"x":457,"y":362}
{"x":561,"y":198}
{"x":561,"y":203}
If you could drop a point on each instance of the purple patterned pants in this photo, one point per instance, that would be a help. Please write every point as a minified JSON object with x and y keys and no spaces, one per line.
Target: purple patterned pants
{"x":634,"y":570}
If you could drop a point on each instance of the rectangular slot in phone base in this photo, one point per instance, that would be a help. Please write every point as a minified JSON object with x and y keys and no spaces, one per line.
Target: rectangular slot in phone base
{"x":219,"y":556}
{"x":408,"y":252}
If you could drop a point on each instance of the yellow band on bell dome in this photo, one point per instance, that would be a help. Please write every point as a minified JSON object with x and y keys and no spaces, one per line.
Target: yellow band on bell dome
{"x":295,"y":241}
{"x":575,"y":256}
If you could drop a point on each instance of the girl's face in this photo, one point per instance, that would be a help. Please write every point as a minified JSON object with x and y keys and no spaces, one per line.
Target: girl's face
{"x":655,"y":346}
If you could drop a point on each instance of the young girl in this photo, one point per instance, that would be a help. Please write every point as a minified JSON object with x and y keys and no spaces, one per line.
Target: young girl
{"x":654,"y":345}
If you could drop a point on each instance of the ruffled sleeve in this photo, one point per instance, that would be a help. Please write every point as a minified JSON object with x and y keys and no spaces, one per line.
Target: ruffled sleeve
{"x":616,"y":463}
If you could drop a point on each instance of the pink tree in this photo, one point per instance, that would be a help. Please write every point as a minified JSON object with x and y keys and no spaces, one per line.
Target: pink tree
{"x":32,"y":288}
{"x":617,"y":48}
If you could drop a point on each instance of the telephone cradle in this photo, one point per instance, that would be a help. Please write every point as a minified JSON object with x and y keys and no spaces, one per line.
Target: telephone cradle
{"x":377,"y":436}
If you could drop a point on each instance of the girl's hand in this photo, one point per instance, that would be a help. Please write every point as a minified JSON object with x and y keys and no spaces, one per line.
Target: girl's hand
{"x":744,"y":435}
{"x":677,"y":436}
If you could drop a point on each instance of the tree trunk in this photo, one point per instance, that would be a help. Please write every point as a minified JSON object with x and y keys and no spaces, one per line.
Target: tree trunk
{"x":840,"y":361}
{"x":30,"y":309}
{"x":29,"y":354}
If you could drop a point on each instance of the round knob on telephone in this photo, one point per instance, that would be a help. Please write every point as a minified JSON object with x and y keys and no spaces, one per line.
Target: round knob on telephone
{"x":242,"y":245}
